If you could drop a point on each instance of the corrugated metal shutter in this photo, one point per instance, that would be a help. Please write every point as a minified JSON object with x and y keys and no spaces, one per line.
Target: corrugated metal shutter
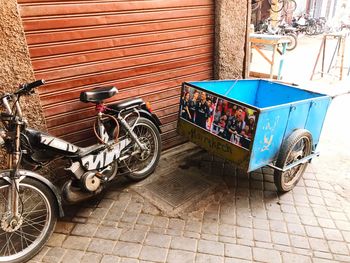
{"x":144,"y":48}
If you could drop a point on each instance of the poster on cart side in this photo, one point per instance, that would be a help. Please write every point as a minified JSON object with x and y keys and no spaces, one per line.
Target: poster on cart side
{"x":232,"y":122}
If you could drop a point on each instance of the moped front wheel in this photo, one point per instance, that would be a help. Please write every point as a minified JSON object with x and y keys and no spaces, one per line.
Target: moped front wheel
{"x":23,"y":235}
{"x":143,"y":164}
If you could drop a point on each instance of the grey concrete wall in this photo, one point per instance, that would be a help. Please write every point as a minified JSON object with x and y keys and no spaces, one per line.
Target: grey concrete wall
{"x":15,"y":65}
{"x":230,"y":38}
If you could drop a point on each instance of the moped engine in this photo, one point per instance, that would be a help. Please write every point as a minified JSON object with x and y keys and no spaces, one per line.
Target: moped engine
{"x":90,"y":181}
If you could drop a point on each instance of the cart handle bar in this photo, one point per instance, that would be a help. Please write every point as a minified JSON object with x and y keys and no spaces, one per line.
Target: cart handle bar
{"x":292,"y":165}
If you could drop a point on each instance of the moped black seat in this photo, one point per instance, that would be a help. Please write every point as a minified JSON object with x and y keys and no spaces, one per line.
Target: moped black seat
{"x":98,"y":95}
{"x":126,"y":104}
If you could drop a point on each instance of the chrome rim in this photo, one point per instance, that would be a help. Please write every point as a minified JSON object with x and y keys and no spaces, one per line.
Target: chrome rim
{"x":35,"y":213}
{"x":301,"y":149}
{"x":143,"y":161}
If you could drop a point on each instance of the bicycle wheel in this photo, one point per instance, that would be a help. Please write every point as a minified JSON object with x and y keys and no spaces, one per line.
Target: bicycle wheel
{"x":255,"y":6}
{"x":293,"y":41}
{"x":143,"y":164}
{"x":290,"y":6}
{"x":276,"y":7}
{"x":297,"y":146}
{"x":23,"y":235}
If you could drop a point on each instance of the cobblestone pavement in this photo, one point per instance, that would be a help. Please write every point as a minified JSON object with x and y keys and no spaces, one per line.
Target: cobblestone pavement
{"x":242,"y":218}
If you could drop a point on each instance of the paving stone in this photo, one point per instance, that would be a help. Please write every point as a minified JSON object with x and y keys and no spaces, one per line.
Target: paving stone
{"x":154,"y":254}
{"x":338,"y":216}
{"x":126,"y":249}
{"x":160,"y":221}
{"x":318,"y":244}
{"x":313,"y":231}
{"x":338,"y":247}
{"x":75,"y":242}
{"x":145,"y":219}
{"x":86,"y":230}
{"x":296,"y":229}
{"x":54,"y":255}
{"x":210,"y":228}
{"x":236,"y":260}
{"x":193,"y":226}
{"x":210,"y":237}
{"x":262,"y":235}
{"x":299,"y":241}
{"x":176,"y":256}
{"x":191,"y":234}
{"x":72,"y":256}
{"x":56,"y":240}
{"x":64,"y":227}
{"x":129,"y":260}
{"x":245,"y":242}
{"x":175,"y":223}
{"x":308,"y":220}
{"x":211,"y":247}
{"x":103,"y":246}
{"x":346,"y":235}
{"x":326,"y":223}
{"x":278,"y":226}
{"x":294,"y":258}
{"x":280,"y":238}
{"x":111,"y":233}
{"x":244,"y":233}
{"x":136,"y":236}
{"x":201,"y":258}
{"x":158,"y":240}
{"x":238,"y":251}
{"x":342,"y":225}
{"x":319,"y":254}
{"x":227,"y":230}
{"x":129,"y":217}
{"x":261,"y":224}
{"x":342,"y":258}
{"x":110,"y":259}
{"x":333,"y":234}
{"x":91,"y":257}
{"x":183,"y":243}
{"x":266,"y":255}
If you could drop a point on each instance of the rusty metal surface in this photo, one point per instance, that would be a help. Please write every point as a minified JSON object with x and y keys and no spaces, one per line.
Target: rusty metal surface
{"x":145,"y":48}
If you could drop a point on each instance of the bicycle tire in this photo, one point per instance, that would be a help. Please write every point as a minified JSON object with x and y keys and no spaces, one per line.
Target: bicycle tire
{"x":276,"y":8}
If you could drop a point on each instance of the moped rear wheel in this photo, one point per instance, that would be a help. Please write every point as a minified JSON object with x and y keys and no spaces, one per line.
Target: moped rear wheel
{"x":22,"y":236}
{"x":141,"y":165}
{"x":297,"y":146}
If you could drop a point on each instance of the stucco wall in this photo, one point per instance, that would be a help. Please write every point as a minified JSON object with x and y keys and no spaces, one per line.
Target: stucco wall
{"x":230,"y":38}
{"x":15,"y":65}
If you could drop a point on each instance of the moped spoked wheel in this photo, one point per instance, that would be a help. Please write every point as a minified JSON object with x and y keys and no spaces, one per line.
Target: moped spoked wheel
{"x":143,"y":164}
{"x":297,"y":146}
{"x":22,"y":236}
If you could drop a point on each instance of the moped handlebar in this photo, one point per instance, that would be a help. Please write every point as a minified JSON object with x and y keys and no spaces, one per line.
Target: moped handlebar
{"x":28,"y":87}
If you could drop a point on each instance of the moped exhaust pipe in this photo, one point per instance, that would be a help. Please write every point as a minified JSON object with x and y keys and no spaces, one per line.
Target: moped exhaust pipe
{"x":72,"y":194}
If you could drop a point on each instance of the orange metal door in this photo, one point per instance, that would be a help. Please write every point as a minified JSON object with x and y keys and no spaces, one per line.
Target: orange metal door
{"x":144,"y":48}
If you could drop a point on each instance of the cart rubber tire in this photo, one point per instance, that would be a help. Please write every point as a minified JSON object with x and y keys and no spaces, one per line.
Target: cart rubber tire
{"x":288,"y":147}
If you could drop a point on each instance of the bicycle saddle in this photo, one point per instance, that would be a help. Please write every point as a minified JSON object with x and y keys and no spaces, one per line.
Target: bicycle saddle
{"x":98,"y":95}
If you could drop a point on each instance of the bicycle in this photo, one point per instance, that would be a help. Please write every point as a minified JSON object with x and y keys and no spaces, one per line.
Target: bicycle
{"x":287,"y":5}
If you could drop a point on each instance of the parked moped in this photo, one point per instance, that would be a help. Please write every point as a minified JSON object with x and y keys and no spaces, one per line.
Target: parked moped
{"x":128,"y":140}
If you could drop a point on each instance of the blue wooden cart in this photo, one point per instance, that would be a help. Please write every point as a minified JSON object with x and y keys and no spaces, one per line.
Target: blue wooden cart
{"x":255,"y":123}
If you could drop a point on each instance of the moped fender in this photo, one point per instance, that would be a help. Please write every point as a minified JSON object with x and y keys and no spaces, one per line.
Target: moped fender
{"x":5,"y":174}
{"x":152,"y":117}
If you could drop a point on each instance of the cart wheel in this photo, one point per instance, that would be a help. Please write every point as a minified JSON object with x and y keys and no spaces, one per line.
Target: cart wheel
{"x":297,"y":146}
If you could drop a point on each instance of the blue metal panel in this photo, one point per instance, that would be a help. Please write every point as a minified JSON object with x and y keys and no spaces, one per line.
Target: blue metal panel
{"x":317,"y":114}
{"x":297,"y":117}
{"x":240,"y":90}
{"x":268,"y":137}
{"x":273,"y":94}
